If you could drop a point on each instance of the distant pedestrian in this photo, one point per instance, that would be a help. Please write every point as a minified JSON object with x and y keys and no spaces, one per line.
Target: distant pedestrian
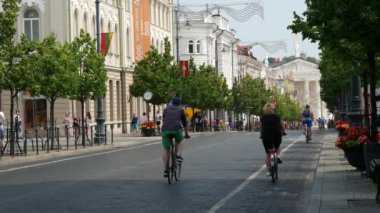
{"x":2,"y":121}
{"x":76,"y":127}
{"x":134,"y":123}
{"x":88,"y":123}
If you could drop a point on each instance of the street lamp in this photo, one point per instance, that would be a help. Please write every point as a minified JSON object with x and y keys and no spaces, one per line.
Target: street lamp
{"x":187,"y":24}
{"x":100,"y":120}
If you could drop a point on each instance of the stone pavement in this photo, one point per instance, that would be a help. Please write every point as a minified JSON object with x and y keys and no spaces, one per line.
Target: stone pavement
{"x":339,"y":187}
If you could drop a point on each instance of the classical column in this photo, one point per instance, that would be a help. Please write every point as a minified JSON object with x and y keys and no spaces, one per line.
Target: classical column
{"x":306,"y":92}
{"x":318,"y":110}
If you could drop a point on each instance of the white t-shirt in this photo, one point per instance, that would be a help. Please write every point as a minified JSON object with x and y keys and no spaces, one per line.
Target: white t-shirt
{"x":2,"y":118}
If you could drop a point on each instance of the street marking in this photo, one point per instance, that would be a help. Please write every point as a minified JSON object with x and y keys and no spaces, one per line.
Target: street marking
{"x":227,"y":198}
{"x":78,"y":157}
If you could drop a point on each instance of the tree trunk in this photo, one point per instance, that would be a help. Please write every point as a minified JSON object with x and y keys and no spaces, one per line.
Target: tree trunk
{"x":83,"y":127}
{"x":51,"y":129}
{"x":11,"y":128}
{"x":365,"y":87}
{"x":372,"y":71}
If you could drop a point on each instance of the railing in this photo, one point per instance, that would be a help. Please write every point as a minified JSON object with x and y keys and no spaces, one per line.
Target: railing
{"x":49,"y":139}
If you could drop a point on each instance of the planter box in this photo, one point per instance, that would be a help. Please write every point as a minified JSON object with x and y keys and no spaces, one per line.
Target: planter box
{"x":147,"y":132}
{"x":370,"y":151}
{"x":355,"y":157}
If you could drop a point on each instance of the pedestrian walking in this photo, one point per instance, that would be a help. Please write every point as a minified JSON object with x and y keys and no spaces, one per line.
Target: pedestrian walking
{"x":134,"y":121}
{"x":88,"y":124}
{"x":2,"y":121}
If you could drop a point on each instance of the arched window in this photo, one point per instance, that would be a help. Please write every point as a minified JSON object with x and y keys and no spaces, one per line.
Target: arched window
{"x":198,"y":46}
{"x":191,"y":46}
{"x":128,"y":43}
{"x":116,"y":35}
{"x":76,"y":23}
{"x":85,"y":22}
{"x":94,"y":26}
{"x":32,"y":24}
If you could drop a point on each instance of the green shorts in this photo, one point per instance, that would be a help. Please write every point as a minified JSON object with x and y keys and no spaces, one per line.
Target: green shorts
{"x":168,"y":135}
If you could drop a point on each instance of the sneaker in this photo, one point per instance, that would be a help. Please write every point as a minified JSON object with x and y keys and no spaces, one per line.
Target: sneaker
{"x":279,"y":160}
{"x":166,"y":173}
{"x":179,"y":159}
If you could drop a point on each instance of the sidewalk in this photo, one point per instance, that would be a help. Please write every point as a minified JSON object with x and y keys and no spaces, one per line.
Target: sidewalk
{"x":119,"y":141}
{"x":339,"y":187}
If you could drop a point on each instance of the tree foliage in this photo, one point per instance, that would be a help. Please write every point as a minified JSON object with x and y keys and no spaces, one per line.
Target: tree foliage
{"x":338,"y":23}
{"x":90,"y":75}
{"x":157,"y":73}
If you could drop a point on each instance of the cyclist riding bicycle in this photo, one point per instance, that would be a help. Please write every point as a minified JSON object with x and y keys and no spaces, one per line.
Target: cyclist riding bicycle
{"x":271,"y":133}
{"x":307,"y":119}
{"x":174,"y":122}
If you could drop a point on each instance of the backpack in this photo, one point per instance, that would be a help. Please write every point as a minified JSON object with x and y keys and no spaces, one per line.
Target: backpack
{"x":306,"y":113}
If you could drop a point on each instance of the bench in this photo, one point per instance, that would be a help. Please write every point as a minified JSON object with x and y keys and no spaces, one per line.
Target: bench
{"x":375,"y":170}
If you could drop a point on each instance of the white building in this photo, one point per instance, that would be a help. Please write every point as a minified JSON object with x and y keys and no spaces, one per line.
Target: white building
{"x":209,"y":40}
{"x":300,"y":79}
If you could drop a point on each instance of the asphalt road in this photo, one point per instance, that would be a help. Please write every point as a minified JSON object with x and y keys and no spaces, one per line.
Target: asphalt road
{"x":222,"y":172}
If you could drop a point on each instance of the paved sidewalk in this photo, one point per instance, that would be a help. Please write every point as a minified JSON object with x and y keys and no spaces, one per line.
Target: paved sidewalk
{"x":339,"y":187}
{"x":119,"y":141}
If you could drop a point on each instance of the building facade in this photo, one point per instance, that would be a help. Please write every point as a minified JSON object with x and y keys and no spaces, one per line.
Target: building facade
{"x":300,"y":80}
{"x":39,"y":18}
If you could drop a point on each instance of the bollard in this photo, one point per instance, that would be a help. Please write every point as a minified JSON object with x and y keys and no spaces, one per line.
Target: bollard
{"x":36,"y":141}
{"x":112,"y":133}
{"x":92,"y":136}
{"x":47,"y":140}
{"x":57,"y":138}
{"x":67,"y":137}
{"x":25,"y":148}
{"x":105,"y":135}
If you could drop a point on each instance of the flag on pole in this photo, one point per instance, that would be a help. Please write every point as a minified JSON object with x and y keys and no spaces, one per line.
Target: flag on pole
{"x":185,"y":68}
{"x":105,"y":42}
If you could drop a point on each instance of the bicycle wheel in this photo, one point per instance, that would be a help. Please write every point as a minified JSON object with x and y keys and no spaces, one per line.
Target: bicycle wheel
{"x":308,"y":135}
{"x":178,"y":167}
{"x":274,"y":167}
{"x":169,"y":167}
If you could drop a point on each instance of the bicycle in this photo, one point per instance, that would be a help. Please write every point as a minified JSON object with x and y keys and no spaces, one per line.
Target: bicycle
{"x":307,"y":133}
{"x":273,"y":165}
{"x":173,"y":166}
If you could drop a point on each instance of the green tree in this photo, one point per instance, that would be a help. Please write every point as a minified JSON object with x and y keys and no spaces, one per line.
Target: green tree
{"x":53,"y":71}
{"x":340,"y":22}
{"x":18,"y":73}
{"x":157,"y":73}
{"x":90,"y":75}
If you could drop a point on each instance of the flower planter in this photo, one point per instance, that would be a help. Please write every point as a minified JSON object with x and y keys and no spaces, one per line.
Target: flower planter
{"x":147,"y":132}
{"x":370,"y":152}
{"x":355,"y":156}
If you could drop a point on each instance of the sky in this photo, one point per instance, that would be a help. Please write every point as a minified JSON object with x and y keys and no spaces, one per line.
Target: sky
{"x":278,"y":14}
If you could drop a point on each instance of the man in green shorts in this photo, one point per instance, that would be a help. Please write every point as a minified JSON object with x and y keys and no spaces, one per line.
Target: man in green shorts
{"x":174,"y":122}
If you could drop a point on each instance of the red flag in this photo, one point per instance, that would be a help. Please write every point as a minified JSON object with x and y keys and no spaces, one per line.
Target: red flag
{"x":185,"y":68}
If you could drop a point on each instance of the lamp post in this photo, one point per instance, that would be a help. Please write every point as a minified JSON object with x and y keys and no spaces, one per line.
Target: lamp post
{"x":177,"y":16}
{"x":100,"y":120}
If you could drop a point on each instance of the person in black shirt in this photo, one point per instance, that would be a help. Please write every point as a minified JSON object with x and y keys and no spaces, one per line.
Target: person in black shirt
{"x":271,"y":131}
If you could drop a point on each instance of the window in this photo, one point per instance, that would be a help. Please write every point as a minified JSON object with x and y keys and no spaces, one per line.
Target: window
{"x":198,"y":46}
{"x":76,"y":24}
{"x":32,"y":24}
{"x":111,"y":100}
{"x":85,"y":22}
{"x":191,"y":46}
{"x":118,"y":101}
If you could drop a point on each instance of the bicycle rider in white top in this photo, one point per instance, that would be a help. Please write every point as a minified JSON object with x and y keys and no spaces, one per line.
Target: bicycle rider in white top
{"x":307,"y":119}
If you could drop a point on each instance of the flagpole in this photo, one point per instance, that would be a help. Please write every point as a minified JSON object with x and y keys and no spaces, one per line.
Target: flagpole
{"x":100,"y":120}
